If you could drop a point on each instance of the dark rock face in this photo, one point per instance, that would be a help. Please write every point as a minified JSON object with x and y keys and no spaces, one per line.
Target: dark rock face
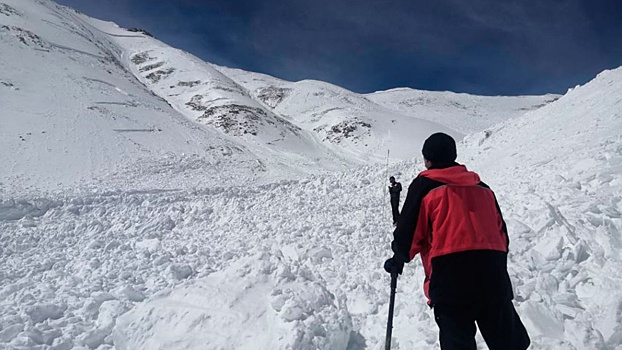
{"x":349,"y":129}
{"x":141,"y":58}
{"x":195,"y":103}
{"x":160,"y":74}
{"x":8,"y":10}
{"x":234,"y":119}
{"x":24,"y":36}
{"x":189,"y":83}
{"x":272,"y":95}
{"x":151,"y":66}
{"x":142,"y":31}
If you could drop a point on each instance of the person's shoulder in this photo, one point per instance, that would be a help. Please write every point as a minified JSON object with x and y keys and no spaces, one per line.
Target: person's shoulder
{"x":424,"y":182}
{"x":417,"y":181}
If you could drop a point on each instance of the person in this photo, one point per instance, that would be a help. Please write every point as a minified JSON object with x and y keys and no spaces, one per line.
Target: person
{"x":394,"y":190}
{"x":454,"y":222}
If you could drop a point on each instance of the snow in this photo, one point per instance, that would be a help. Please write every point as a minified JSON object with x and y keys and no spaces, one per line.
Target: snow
{"x":190,"y":237}
{"x":247,"y":297}
{"x":469,"y":113}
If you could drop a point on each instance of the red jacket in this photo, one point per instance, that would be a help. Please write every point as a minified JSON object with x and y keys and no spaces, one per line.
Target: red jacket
{"x":449,"y":211}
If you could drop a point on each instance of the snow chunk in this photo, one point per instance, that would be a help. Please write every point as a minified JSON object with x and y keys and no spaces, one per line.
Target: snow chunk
{"x":540,"y":320}
{"x":150,"y":245}
{"x":317,"y":254}
{"x":550,"y":247}
{"x":96,"y":244}
{"x":94,"y":338}
{"x":10,"y":332}
{"x":41,"y":312}
{"x":108,"y":313}
{"x":131,"y":294}
{"x":180,"y":272}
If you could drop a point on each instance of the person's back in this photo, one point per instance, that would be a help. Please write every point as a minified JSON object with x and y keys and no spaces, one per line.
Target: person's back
{"x":453,"y":220}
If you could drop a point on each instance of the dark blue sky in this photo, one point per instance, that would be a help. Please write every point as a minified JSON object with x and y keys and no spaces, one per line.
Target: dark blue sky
{"x":488,"y":47}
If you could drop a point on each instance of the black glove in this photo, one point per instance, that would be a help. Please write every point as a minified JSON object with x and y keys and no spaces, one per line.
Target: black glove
{"x":393,"y":265}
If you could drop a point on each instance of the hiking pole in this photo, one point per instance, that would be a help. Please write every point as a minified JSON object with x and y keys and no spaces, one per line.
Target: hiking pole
{"x":387,"y":343}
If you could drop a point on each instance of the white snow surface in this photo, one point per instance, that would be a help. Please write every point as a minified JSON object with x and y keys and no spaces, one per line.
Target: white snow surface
{"x":188,"y":237}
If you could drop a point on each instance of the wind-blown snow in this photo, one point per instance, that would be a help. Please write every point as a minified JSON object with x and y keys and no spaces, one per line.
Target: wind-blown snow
{"x":188,"y":238}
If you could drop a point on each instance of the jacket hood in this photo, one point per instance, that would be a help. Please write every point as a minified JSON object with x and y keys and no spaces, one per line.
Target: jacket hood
{"x":454,"y":175}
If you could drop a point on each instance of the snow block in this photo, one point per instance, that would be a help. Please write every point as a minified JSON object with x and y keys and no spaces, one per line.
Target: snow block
{"x":11,"y":332}
{"x":550,"y":247}
{"x":541,"y":321}
{"x":180,"y":272}
{"x":41,"y":312}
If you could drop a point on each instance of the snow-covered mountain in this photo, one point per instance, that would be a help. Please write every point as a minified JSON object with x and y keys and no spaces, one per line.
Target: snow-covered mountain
{"x":395,"y":120}
{"x":180,"y":232}
{"x":303,"y":118}
{"x":86,"y":103}
{"x":72,"y":115}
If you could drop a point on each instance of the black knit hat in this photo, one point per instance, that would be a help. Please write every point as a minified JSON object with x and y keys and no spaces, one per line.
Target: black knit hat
{"x":439,"y":148}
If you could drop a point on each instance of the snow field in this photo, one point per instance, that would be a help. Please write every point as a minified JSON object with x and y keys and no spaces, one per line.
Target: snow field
{"x":107,"y":253}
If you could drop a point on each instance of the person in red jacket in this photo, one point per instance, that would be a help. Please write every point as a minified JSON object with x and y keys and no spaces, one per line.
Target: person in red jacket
{"x":452,"y":219}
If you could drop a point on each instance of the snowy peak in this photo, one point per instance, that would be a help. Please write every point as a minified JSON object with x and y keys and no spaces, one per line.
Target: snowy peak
{"x":284,"y":127}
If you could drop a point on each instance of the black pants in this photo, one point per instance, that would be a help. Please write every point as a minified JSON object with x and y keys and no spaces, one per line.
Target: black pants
{"x":395,"y":206}
{"x":498,"y":322}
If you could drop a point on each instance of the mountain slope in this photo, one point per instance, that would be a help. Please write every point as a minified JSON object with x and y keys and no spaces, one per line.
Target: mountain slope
{"x":102,"y":126}
{"x":470,"y":113}
{"x":74,"y":117}
{"x":340,"y":117}
{"x":558,"y":174}
{"x":203,"y":93}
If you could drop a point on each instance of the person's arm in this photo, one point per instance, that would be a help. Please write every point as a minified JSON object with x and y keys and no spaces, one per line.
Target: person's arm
{"x":504,"y":227}
{"x":408,"y":221}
